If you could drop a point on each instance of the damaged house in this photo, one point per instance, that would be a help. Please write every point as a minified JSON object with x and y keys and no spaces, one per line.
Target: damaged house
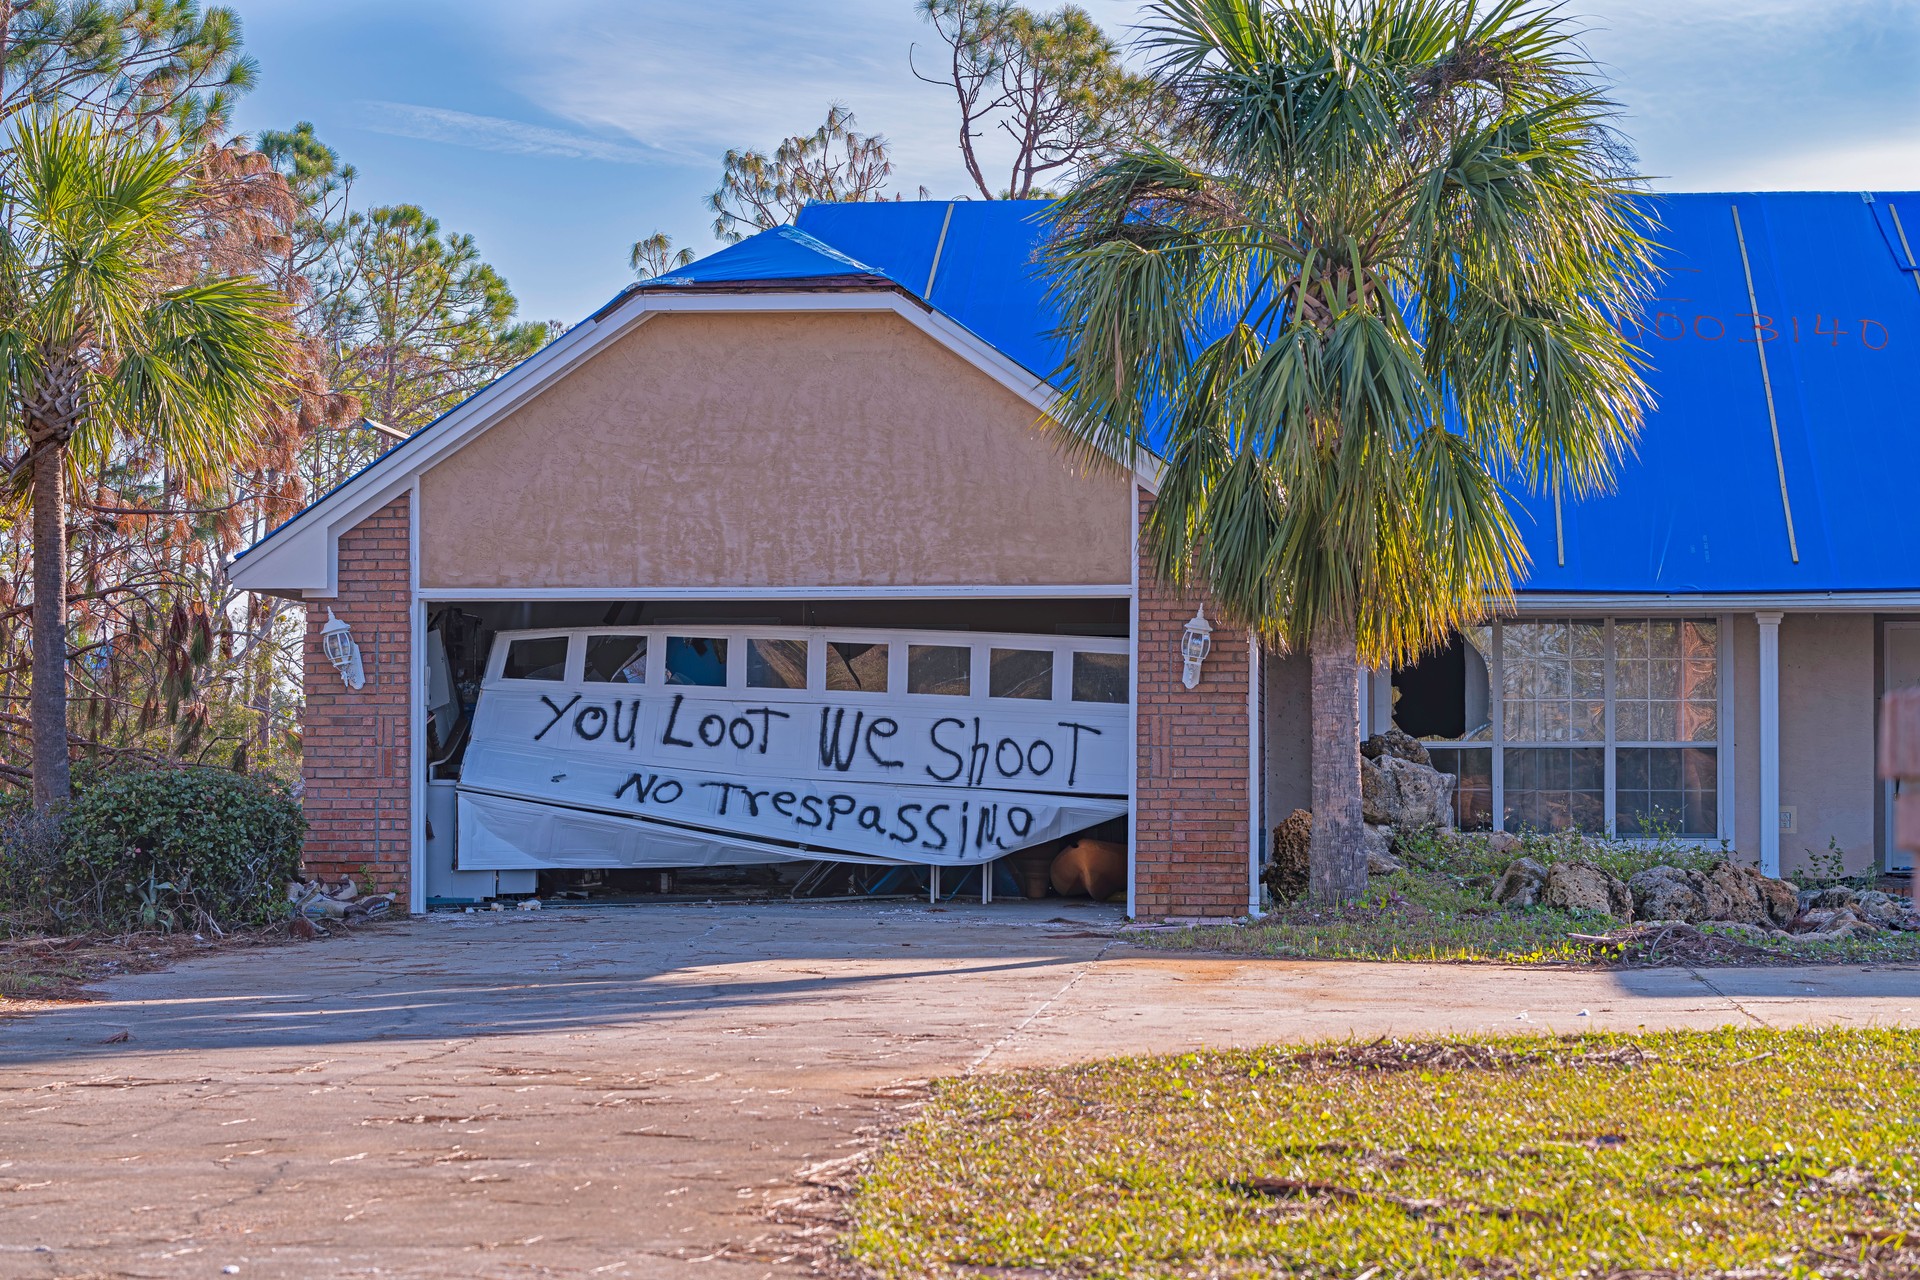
{"x":771,"y":568}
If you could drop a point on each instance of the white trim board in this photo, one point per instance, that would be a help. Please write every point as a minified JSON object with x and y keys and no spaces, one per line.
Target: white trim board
{"x":301,"y":555}
{"x":969,"y":591}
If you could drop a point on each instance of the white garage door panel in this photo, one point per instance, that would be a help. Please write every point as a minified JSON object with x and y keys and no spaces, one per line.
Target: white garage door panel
{"x":563,"y":771}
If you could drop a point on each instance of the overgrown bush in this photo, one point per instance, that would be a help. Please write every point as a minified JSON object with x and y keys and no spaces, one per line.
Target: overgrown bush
{"x":166,"y":848}
{"x":1470,"y":854}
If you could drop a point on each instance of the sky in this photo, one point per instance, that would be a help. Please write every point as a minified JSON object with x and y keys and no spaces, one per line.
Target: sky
{"x":557,"y":133}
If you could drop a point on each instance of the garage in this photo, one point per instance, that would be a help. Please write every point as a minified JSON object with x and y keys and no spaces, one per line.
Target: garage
{"x":770,"y":577}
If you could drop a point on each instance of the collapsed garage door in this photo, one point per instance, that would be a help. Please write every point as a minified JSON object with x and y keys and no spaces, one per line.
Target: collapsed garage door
{"x":678,"y":746}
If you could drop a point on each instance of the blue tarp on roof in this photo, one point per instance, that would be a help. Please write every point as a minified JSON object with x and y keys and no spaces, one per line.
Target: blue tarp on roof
{"x":1700,"y":509}
{"x":784,"y":253}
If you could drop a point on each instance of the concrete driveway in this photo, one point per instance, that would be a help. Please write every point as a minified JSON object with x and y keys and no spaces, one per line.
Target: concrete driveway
{"x":622,"y":1092}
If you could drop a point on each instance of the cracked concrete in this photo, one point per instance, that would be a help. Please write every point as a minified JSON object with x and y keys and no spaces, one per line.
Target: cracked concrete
{"x":618,"y":1093}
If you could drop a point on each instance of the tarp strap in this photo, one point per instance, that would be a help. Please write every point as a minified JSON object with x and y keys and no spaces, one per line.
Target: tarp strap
{"x":1912,"y":270}
{"x":1766,"y":383}
{"x":939,"y":247}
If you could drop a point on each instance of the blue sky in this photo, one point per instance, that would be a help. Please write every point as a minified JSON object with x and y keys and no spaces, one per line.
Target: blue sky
{"x":560,"y":131}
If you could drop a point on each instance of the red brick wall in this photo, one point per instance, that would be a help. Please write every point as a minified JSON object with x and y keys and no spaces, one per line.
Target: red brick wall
{"x":355,"y":751}
{"x":1192,"y":806}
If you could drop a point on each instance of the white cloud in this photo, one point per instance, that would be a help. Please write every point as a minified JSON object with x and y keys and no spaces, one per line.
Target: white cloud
{"x":494,"y":133}
{"x":1883,"y":164}
{"x":746,"y":75}
{"x":1715,"y":93}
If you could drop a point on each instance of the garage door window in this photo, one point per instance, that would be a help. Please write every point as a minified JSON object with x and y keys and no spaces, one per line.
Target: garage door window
{"x":538,"y":658}
{"x":776,"y":664}
{"x":940,"y":668}
{"x":1099,"y":677}
{"x":697,"y":660}
{"x":617,"y":659}
{"x":1020,"y":673}
{"x":856,"y":668}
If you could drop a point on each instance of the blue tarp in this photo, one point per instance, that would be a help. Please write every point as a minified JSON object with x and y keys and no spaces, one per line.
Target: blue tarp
{"x":784,"y":253}
{"x":1700,"y":508}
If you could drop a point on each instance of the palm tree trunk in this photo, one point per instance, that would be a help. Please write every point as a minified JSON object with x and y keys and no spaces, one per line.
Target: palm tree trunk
{"x":1336,"y":856}
{"x":52,"y":776}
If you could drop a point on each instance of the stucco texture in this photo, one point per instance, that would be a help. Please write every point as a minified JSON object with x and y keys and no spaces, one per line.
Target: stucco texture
{"x":772,"y":450}
{"x":1826,"y":736}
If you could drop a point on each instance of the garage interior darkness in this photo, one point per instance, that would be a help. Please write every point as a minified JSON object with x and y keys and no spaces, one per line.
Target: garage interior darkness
{"x":467,"y":630}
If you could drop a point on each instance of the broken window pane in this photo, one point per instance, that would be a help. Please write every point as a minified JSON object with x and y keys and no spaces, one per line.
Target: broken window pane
{"x":697,"y":660}
{"x":939,"y":668}
{"x":1020,"y":673}
{"x":776,"y":664}
{"x":856,"y":668}
{"x":617,"y":659}
{"x":1099,"y":677}
{"x":542,"y":658}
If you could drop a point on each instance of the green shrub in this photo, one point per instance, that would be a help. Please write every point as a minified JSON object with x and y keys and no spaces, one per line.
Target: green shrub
{"x":164,"y":848}
{"x":1468,"y":854}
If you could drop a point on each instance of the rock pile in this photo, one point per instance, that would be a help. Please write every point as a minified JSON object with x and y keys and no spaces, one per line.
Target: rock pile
{"x":1400,"y":790}
{"x":1733,"y":898}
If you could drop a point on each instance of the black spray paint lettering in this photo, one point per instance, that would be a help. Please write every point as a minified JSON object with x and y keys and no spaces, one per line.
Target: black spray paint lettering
{"x":557,"y":710}
{"x":596,"y":716}
{"x":1073,"y":757}
{"x":650,"y":788}
{"x":971,"y":760}
{"x":839,"y":746}
{"x":673,"y":714}
{"x":748,"y":795}
{"x":633,"y":723}
{"x":936,"y":828}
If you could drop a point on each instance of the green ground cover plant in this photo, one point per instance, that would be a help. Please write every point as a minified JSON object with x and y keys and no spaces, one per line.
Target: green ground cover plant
{"x":1739,"y":1152}
{"x":1440,"y":907}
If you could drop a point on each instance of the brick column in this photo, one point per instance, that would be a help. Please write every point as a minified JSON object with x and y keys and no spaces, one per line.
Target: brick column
{"x":355,"y":751}
{"x":1192,"y":803}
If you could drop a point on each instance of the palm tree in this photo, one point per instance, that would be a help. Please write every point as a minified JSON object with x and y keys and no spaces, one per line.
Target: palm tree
{"x":1379,"y":278}
{"x":112,"y":344}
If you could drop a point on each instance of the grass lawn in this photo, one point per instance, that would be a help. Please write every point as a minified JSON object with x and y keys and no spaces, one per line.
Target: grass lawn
{"x":1731,"y":1153}
{"x":1441,"y":907}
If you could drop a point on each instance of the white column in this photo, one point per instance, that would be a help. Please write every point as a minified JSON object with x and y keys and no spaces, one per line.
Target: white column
{"x":1769,"y":742}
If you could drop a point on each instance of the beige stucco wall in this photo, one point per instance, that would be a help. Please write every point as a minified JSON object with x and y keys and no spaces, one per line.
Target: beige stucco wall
{"x":758,"y":450}
{"x":1827,"y":700}
{"x":1286,"y":704}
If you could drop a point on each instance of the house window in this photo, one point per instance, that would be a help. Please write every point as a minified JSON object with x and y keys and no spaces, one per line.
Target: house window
{"x":1604,"y":725}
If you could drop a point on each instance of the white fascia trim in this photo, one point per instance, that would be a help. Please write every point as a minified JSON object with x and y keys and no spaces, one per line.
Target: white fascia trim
{"x":1745,"y":602}
{"x":936,"y":591}
{"x":289,"y":560}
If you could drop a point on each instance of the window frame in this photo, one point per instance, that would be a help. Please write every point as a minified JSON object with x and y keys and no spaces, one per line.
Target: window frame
{"x":899,"y":641}
{"x":1722,"y":743}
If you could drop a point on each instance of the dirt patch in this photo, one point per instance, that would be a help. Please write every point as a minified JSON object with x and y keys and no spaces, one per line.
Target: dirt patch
{"x":1668,"y":943}
{"x":40,"y":972}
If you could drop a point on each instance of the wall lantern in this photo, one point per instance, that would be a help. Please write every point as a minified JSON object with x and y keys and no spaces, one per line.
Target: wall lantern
{"x":1196,"y":642}
{"x":336,"y":641}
